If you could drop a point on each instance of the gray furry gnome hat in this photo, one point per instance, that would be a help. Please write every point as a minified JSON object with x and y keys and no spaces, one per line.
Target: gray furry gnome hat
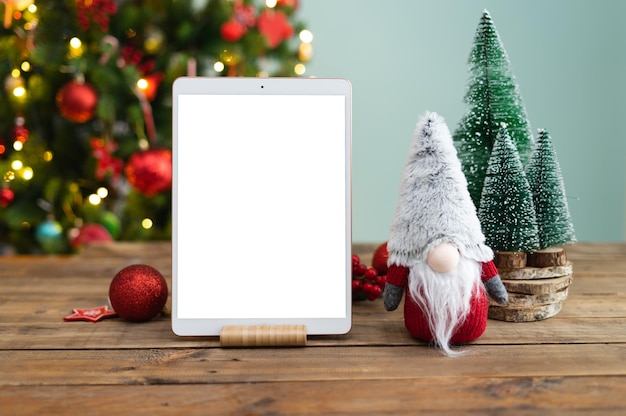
{"x":434,"y":204}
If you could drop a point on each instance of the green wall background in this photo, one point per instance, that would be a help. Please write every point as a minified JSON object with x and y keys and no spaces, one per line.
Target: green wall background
{"x":404,"y":57}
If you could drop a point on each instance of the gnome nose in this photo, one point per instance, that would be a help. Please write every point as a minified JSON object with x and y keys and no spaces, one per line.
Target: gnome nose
{"x":443,"y":258}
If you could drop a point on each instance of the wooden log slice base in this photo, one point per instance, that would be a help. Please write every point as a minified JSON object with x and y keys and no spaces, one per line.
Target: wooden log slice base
{"x":538,"y":286}
{"x":522,"y":300}
{"x":509,"y":259}
{"x":531,"y":273}
{"x":522,"y":314}
{"x":549,"y":257}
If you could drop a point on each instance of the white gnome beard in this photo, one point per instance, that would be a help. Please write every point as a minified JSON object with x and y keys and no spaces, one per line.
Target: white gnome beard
{"x":444,"y":298}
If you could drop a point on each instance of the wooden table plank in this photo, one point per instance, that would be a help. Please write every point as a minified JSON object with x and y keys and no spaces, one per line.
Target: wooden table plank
{"x":157,"y":334}
{"x":41,"y":268}
{"x":596,"y":251}
{"x":379,"y":328}
{"x":573,"y":363}
{"x":31,"y":312}
{"x":220,"y":365}
{"x":424,"y":395}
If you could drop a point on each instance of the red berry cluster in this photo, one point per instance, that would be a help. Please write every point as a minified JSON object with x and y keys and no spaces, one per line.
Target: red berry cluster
{"x":95,"y":11}
{"x":366,"y":282}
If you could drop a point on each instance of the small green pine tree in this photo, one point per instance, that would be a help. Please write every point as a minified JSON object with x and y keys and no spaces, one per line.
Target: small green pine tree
{"x":546,"y":183}
{"x":493,"y":98}
{"x":506,"y":211}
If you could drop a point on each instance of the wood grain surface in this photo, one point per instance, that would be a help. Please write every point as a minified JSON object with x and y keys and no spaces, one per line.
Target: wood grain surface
{"x":572,"y":364}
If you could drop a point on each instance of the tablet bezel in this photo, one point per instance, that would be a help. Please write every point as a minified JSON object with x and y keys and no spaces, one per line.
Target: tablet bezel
{"x":263,"y":87}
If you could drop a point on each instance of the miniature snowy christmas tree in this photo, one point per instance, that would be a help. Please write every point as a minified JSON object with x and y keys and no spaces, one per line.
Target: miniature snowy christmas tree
{"x":537,"y":281}
{"x":506,"y":210}
{"x":493,"y":98}
{"x":546,"y":184}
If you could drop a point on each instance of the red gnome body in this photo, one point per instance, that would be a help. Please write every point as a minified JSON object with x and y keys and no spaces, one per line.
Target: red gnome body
{"x":437,"y":254}
{"x":472,"y":326}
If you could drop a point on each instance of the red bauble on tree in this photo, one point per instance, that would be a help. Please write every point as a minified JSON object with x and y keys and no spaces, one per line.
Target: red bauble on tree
{"x":150,"y":171}
{"x":6,"y":197}
{"x":88,"y":234}
{"x":232,"y":30}
{"x":242,"y":19}
{"x":77,"y":101}
{"x":138,"y":293}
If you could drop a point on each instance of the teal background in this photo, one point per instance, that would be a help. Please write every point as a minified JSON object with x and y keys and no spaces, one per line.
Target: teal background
{"x":404,"y":57}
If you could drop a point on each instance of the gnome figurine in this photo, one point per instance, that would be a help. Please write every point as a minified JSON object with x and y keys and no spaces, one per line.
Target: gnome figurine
{"x":437,"y":251}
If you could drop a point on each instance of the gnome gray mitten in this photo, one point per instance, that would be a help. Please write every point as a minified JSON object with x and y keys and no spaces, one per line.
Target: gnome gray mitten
{"x":392,"y":296}
{"x":496,"y":290}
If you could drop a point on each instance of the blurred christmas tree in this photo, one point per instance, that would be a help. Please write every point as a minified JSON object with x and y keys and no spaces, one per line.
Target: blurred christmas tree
{"x":85,"y":113}
{"x":493,"y":98}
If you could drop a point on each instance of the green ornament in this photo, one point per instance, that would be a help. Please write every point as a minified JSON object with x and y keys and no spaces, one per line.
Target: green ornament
{"x":112,"y":223}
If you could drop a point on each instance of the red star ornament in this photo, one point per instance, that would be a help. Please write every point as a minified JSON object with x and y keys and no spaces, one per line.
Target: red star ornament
{"x":90,"y":314}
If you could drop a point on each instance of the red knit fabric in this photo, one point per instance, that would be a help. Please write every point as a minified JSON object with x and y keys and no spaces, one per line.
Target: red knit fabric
{"x":398,"y":275}
{"x":473,"y":327}
{"x":489,"y":270}
{"x":415,"y":320}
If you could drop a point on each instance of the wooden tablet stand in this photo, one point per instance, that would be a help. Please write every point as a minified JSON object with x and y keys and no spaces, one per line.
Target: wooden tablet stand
{"x":263,"y":336}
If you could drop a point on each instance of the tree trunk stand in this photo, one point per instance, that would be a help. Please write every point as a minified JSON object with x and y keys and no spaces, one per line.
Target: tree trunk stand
{"x":537,"y":290}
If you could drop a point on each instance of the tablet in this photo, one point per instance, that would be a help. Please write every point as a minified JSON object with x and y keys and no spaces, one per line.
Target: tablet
{"x":261,"y":210}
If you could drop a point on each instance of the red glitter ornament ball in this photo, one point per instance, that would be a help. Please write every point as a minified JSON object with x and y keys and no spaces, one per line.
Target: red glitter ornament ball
{"x":138,"y":293}
{"x":150,"y":171}
{"x":77,"y":101}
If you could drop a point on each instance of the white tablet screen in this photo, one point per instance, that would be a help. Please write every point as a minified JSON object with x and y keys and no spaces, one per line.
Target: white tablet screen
{"x":262,"y":207}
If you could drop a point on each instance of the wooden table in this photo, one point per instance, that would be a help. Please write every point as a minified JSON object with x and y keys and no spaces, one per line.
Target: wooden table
{"x":573,"y":363}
